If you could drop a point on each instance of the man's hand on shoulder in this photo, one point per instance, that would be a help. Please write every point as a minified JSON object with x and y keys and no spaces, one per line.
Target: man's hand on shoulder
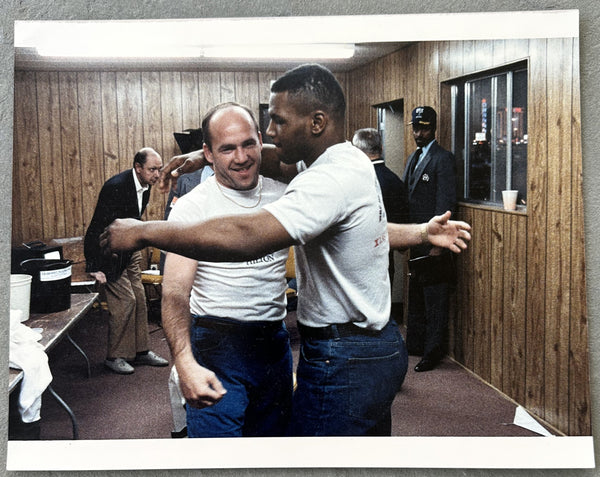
{"x":178,"y":165}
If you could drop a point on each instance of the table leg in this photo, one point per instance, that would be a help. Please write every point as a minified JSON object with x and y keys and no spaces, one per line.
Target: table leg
{"x":78,"y":348}
{"x":66,"y":407}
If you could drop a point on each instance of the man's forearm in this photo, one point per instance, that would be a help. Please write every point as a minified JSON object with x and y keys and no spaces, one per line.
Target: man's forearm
{"x":178,"y":281}
{"x":175,"y":313}
{"x":403,"y":236}
{"x":226,"y":239}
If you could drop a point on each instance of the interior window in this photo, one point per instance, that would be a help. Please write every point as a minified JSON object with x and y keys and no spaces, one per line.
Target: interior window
{"x":490,"y":135}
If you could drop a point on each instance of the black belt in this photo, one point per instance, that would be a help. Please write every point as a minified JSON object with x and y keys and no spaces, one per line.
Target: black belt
{"x":334,"y":331}
{"x":231,"y":325}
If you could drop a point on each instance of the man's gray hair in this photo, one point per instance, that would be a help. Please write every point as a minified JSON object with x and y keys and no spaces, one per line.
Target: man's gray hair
{"x":368,"y":140}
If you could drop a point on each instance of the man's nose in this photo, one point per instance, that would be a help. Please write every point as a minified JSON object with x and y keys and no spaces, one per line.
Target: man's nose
{"x":270,"y":130}
{"x":239,"y":155}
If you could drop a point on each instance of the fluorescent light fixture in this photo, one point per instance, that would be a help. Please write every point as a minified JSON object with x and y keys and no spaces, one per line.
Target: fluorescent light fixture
{"x":108,"y":50}
{"x":315,"y":51}
{"x":152,"y":50}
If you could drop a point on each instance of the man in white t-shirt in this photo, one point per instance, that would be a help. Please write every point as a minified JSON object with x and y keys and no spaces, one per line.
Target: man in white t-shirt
{"x":352,"y":357}
{"x":237,"y":344}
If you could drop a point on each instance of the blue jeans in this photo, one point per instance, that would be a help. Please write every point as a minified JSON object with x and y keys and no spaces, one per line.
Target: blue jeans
{"x":346,"y":385}
{"x":253,"y":361}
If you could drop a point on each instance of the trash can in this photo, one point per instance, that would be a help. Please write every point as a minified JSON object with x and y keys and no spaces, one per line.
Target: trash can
{"x":50,"y":285}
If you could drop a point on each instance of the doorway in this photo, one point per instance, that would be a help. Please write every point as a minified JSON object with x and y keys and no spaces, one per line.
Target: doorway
{"x":390,"y":123}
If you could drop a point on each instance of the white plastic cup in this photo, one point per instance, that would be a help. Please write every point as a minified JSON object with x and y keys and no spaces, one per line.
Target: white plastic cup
{"x":20,"y":294}
{"x":509,"y":197}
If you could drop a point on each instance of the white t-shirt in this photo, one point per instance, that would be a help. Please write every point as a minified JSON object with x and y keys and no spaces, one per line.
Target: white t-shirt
{"x":245,"y":291}
{"x":334,"y":209}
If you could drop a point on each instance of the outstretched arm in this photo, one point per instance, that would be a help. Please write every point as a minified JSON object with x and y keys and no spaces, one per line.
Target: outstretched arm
{"x":233,"y":238}
{"x":270,"y":166}
{"x":439,"y":231}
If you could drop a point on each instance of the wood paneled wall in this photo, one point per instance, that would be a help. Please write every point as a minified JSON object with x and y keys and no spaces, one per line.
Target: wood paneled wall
{"x":520,"y":319}
{"x":74,"y":130}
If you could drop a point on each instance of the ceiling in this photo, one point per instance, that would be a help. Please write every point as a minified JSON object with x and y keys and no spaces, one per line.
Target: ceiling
{"x":370,"y":42}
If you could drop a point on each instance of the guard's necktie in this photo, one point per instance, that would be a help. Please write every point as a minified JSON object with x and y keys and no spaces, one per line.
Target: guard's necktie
{"x":415,"y":161}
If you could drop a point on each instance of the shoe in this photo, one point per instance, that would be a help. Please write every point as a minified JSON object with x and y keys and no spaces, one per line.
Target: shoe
{"x":425,"y":365}
{"x":119,"y":366}
{"x":179,"y":434}
{"x":150,"y":359}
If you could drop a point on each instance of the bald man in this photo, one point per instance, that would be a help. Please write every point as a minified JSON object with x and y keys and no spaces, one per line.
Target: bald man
{"x":124,"y":195}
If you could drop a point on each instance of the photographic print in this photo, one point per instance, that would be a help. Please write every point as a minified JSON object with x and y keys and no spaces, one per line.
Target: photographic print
{"x":512,"y":389}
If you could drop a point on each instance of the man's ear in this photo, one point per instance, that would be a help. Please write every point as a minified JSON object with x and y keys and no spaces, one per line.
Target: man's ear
{"x":207,"y":154}
{"x":319,"y":122}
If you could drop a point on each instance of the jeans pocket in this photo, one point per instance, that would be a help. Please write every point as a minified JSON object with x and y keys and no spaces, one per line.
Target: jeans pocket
{"x":315,"y":351}
{"x":204,"y":339}
{"x":373,"y":383}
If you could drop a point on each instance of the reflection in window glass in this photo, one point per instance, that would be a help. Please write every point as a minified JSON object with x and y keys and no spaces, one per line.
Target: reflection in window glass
{"x":490,"y":142}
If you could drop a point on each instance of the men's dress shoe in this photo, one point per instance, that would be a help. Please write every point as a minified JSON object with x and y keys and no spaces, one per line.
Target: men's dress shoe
{"x":150,"y":359}
{"x":425,"y":365}
{"x":119,"y":366}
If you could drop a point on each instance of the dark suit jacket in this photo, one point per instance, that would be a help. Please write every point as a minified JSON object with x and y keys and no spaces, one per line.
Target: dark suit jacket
{"x":394,"y":192}
{"x":431,"y":189}
{"x":117,"y":200}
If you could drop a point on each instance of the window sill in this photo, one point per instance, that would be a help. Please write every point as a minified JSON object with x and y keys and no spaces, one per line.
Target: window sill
{"x":521,"y":209}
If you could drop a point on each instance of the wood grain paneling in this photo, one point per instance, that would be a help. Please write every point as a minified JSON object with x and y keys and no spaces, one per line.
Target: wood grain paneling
{"x":558,"y":209}
{"x":71,"y":157}
{"x":498,"y":261}
{"x":227,"y":87}
{"x":110,"y":127}
{"x":92,"y":167}
{"x":514,"y":293}
{"x":27,"y":175}
{"x":482,"y":244}
{"x":129,"y":117}
{"x":156,"y":123}
{"x":209,"y":92}
{"x":463,"y":349}
{"x":537,"y":193}
{"x":579,"y":389}
{"x":190,"y":114}
{"x":53,"y":188}
{"x":246,"y":90}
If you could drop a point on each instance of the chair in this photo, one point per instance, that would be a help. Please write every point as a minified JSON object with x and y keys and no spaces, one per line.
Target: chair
{"x":152,"y":281}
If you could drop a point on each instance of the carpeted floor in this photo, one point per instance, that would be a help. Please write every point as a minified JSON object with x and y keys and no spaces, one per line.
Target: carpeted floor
{"x":447,"y":401}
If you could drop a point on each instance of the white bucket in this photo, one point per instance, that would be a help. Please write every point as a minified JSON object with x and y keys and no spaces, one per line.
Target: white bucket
{"x":20,"y":294}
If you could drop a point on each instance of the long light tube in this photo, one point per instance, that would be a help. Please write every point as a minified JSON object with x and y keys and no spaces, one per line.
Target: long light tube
{"x":141,"y":50}
{"x":323,"y":51}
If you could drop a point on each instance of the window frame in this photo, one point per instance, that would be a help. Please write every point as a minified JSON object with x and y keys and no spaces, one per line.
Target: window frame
{"x":460,"y":105}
